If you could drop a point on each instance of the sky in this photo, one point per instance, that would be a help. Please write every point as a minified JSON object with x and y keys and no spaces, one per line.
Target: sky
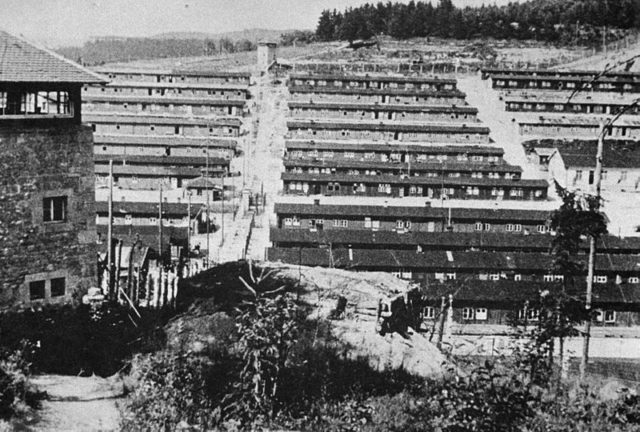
{"x":57,"y":23}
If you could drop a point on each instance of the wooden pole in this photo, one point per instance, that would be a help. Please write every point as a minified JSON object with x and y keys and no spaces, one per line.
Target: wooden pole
{"x":206,"y":189}
{"x":188,"y":228}
{"x":592,"y":257}
{"x":443,"y":308}
{"x":110,"y":233}
{"x":222,"y":212}
{"x":160,"y":226}
{"x":117,"y":272}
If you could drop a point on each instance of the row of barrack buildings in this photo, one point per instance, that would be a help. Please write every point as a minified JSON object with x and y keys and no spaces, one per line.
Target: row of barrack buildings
{"x":397,"y":174}
{"x":559,"y":114}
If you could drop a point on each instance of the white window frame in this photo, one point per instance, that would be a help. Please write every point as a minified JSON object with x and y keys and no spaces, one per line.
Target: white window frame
{"x":481,"y":314}
{"x":468,"y":313}
{"x":429,"y":312}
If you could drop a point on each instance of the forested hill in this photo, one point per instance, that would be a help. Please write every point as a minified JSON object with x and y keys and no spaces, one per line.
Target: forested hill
{"x":565,"y":21}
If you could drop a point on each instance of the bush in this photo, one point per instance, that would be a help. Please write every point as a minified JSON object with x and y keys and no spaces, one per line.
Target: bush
{"x":16,"y":394}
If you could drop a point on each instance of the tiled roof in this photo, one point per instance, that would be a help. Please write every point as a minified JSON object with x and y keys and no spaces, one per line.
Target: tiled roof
{"x":373,"y":259}
{"x":173,"y":140}
{"x":379,"y":78}
{"x":623,"y":155}
{"x":401,"y":127}
{"x":506,"y":291}
{"x":22,"y":62}
{"x":385,"y":107}
{"x":415,"y":180}
{"x":548,"y":72}
{"x":458,"y":213}
{"x":160,"y":120}
{"x":155,"y":72}
{"x":199,"y":161}
{"x":387,"y":91}
{"x":413,"y":166}
{"x":150,"y":170}
{"x":119,"y":98}
{"x":431,"y":148}
{"x":205,"y":182}
{"x":144,"y":208}
{"x":177,"y":86}
{"x":578,"y":120}
{"x":441,"y":240}
{"x":571,"y":77}
{"x":582,"y":153}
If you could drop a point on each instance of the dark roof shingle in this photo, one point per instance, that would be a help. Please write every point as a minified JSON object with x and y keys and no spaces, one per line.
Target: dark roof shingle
{"x":24,"y":62}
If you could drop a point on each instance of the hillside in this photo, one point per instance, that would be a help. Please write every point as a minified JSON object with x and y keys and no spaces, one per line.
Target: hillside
{"x":254,"y":35}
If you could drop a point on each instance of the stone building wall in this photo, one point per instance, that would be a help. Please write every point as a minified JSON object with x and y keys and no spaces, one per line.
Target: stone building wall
{"x":35,"y":164}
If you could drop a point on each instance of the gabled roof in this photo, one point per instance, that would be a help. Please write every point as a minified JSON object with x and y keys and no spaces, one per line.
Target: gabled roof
{"x":196,"y":161}
{"x":430,"y":148}
{"x":583,"y":154}
{"x":384,"y":107}
{"x":413,"y":166}
{"x":161,"y":120}
{"x":120,"y":99}
{"x":415,"y":180}
{"x":165,"y":140}
{"x":441,"y":240}
{"x":458,"y":213}
{"x":392,"y":127}
{"x":24,"y":62}
{"x":440,"y":260}
{"x":145,"y":208}
{"x":387,"y":91}
{"x":367,"y":77}
{"x":507,"y":291}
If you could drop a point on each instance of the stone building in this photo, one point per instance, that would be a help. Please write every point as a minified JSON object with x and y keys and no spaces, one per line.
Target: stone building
{"x":47,"y":208}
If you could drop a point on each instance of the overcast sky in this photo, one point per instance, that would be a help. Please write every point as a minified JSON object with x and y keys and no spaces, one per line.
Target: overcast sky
{"x":71,"y":22}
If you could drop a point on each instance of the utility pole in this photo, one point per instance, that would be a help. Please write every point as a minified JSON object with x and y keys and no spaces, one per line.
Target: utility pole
{"x":160,"y":224}
{"x":188,"y":228}
{"x":206,"y":189}
{"x":224,"y":173}
{"x":592,"y":258}
{"x":110,"y":232}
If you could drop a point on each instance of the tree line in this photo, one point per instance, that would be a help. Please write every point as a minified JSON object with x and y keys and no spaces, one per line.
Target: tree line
{"x":108,"y":50}
{"x":565,"y":21}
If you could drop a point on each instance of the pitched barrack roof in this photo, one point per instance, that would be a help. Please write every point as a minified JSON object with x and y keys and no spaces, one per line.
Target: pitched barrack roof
{"x":431,"y":148}
{"x":579,"y":121}
{"x":583,"y":154}
{"x":165,"y":140}
{"x":415,"y":180}
{"x":506,"y":291}
{"x":386,"y":78}
{"x":106,"y":70}
{"x":387,"y":91}
{"x":375,"y":259}
{"x":24,"y":62}
{"x":441,"y":240}
{"x":476,"y":214}
{"x":145,"y":208}
{"x":161,"y":120}
{"x":177,"y":86}
{"x":402,"y":127}
{"x":120,"y":98}
{"x":158,"y":160}
{"x":415,"y":166}
{"x":384,"y":107}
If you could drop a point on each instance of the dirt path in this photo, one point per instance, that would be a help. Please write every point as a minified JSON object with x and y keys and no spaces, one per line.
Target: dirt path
{"x":85,"y":404}
{"x":265,"y":156}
